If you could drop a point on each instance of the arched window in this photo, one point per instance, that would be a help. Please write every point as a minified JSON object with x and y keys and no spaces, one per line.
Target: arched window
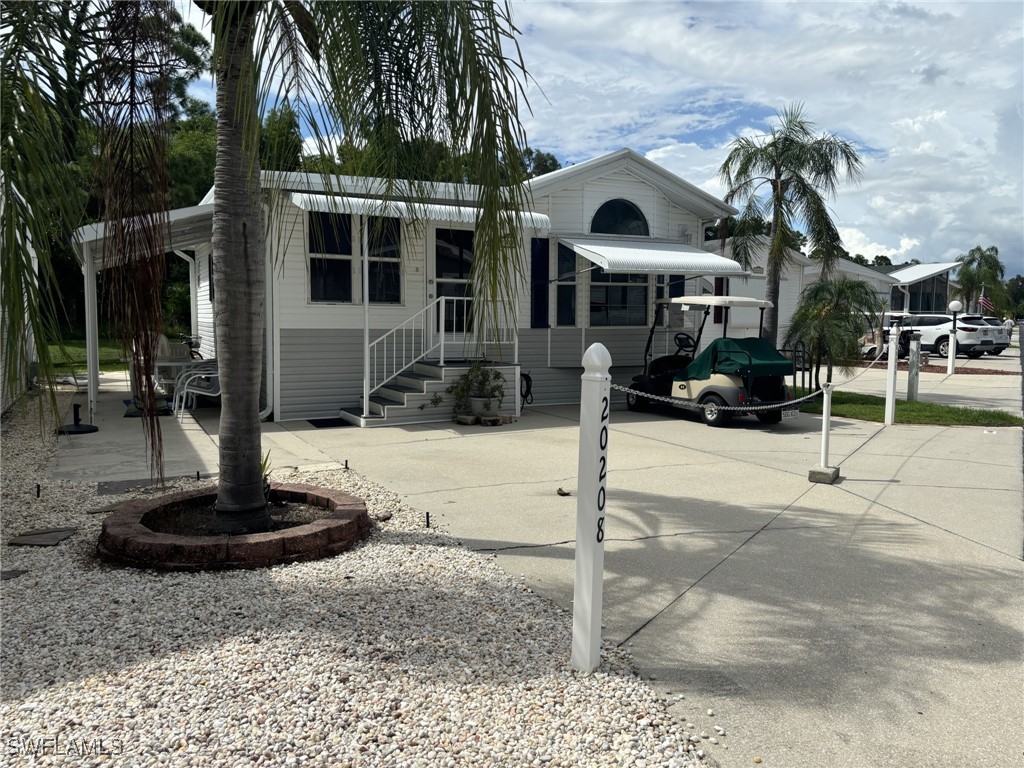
{"x":619,"y":217}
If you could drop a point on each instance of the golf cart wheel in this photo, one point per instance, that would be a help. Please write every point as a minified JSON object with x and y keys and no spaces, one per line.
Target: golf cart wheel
{"x":942,"y":348}
{"x":712,"y":413}
{"x":773,"y":416}
{"x":635,"y":401}
{"x":996,"y":351}
{"x":974,"y":354}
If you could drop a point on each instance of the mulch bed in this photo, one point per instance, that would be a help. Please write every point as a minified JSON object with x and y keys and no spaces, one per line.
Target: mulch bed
{"x":960,"y":368}
{"x":196,"y":517}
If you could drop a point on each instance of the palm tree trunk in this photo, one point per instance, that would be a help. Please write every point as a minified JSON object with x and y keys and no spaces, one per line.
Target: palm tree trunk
{"x":771,"y":314}
{"x":238,"y":272}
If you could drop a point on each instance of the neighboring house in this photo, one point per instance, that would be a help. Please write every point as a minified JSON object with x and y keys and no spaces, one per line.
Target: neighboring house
{"x":922,"y":287}
{"x":745,"y":322}
{"x":603,"y":240}
{"x":881,"y":282}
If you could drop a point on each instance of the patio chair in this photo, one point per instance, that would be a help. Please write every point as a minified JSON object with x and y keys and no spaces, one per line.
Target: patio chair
{"x":198,"y":368}
{"x":203,"y":382}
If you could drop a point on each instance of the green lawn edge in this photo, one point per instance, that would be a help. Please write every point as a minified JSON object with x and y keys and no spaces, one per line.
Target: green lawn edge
{"x":852,"y":405}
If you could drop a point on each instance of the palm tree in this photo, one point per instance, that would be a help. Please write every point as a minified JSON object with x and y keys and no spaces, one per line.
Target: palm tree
{"x":397,"y":71}
{"x":981,"y":269}
{"x":830,"y":319}
{"x":786,"y":177}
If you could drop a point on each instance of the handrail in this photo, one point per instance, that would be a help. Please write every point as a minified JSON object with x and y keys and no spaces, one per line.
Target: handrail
{"x":441,"y":325}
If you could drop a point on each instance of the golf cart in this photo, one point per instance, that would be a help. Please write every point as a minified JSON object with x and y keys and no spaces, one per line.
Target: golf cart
{"x":730,"y":372}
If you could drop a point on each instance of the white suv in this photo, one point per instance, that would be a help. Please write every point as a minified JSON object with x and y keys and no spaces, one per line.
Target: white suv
{"x":972,"y":338}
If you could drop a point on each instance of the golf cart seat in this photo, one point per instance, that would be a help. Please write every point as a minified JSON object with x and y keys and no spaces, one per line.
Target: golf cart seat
{"x":669,"y":363}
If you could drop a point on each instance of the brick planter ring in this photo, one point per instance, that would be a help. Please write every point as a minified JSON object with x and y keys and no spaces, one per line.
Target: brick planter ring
{"x":127,"y":541}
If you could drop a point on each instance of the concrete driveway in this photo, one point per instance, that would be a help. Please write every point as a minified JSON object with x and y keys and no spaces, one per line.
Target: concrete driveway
{"x":878,"y":621}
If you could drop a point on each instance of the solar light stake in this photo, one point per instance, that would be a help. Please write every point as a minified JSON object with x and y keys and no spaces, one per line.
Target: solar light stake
{"x":590,"y":504}
{"x":428,"y":518}
{"x":39,"y":490}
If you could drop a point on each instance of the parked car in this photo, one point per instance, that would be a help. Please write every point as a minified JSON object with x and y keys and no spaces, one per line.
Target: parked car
{"x":1001,"y":338}
{"x":973,"y":338}
{"x":734,"y":372}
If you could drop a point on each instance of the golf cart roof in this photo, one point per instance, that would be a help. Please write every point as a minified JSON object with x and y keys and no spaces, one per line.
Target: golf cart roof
{"x":696,"y":302}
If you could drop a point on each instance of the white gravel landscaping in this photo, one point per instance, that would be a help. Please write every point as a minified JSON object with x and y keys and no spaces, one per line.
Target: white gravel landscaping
{"x":407,"y":651}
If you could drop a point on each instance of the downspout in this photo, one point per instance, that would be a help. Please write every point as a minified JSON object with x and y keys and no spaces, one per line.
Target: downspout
{"x":193,"y":313}
{"x":268,"y":344}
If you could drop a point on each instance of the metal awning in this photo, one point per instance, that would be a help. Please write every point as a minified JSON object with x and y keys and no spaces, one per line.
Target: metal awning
{"x":186,"y":229}
{"x":368,"y":206}
{"x":653,"y":257}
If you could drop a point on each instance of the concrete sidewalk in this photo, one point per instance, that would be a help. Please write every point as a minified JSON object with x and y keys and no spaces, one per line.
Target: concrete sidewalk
{"x":879,"y":621}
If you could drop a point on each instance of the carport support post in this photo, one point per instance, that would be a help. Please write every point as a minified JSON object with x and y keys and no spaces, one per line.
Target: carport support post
{"x":590,"y":504}
{"x":914,"y":366}
{"x":890,"y":379}
{"x":824,"y":473}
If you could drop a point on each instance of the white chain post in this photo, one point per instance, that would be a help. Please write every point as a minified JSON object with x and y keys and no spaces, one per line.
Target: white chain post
{"x":914,"y":367}
{"x":824,"y":473}
{"x":890,"y":379}
{"x":595,"y":404}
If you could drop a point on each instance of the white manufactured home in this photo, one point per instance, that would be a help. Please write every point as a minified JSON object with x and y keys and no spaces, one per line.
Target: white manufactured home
{"x":369,"y":330}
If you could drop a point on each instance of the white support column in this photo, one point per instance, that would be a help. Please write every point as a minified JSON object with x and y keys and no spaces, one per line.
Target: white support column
{"x":363,"y":240}
{"x":890,"y":379}
{"x":595,"y":403}
{"x":92,"y":329}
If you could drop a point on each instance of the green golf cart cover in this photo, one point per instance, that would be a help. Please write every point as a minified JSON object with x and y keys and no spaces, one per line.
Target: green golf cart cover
{"x":726,"y":356}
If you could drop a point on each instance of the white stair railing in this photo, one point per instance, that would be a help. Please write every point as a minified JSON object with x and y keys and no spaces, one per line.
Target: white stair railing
{"x":443,"y":326}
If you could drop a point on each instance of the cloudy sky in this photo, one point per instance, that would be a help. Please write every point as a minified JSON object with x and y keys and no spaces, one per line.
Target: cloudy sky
{"x":930,"y":92}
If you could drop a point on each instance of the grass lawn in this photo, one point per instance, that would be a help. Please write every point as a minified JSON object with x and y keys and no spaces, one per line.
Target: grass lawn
{"x":73,"y":357}
{"x":851,"y":405}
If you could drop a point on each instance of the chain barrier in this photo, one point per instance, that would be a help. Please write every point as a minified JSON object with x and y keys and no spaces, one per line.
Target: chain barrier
{"x":713,"y":408}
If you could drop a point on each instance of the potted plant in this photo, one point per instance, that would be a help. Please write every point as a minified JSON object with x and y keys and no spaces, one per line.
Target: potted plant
{"x":477,"y":389}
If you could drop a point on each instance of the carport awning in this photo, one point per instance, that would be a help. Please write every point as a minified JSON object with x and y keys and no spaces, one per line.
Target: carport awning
{"x":651,"y":257}
{"x":455,"y":214}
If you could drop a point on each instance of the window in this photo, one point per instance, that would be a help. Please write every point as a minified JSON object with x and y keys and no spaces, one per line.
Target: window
{"x":384,"y":239}
{"x":619,"y":217}
{"x":330,"y":233}
{"x":330,"y":280}
{"x":617,"y":299}
{"x":566,"y":286}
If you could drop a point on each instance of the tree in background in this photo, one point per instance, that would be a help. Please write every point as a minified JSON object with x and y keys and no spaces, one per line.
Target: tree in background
{"x":537,"y":162}
{"x":786,"y":176}
{"x":281,"y":140}
{"x":830,"y":318}
{"x":980,"y":269}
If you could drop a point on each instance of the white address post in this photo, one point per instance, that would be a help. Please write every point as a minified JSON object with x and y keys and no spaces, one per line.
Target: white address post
{"x":590,"y":503}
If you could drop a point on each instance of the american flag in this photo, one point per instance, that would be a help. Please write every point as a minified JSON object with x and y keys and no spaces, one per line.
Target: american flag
{"x":985,"y":304}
